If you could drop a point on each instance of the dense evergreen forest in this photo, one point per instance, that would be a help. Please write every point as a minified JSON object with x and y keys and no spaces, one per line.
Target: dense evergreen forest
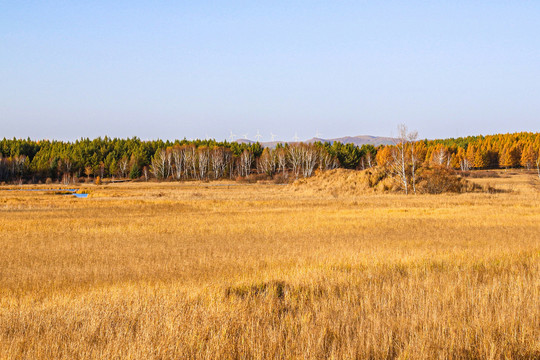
{"x":25,"y":160}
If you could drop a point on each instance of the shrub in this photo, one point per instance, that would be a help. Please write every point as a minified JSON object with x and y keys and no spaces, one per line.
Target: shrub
{"x":438,"y":180}
{"x":280,"y":179}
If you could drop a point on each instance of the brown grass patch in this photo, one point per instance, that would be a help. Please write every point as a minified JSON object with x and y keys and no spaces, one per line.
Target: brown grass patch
{"x":188,"y":270}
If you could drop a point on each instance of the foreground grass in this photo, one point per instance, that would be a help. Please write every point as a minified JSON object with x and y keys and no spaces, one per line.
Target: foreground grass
{"x":194,"y":271}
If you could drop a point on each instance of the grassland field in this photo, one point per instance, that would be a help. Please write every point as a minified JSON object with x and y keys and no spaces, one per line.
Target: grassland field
{"x":241,"y":271}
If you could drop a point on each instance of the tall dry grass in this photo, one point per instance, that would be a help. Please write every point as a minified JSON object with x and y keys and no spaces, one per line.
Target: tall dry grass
{"x":159,"y":271}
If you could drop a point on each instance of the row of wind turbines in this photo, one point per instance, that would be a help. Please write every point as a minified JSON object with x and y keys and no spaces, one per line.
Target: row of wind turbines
{"x":258,"y":137}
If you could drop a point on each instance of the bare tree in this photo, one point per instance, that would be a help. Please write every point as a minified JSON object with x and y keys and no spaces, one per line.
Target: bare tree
{"x":441,"y":157}
{"x":295,"y":158}
{"x":189,"y":160}
{"x":101,"y":169}
{"x":369,"y":159}
{"x":412,"y":137}
{"x":145,"y":173}
{"x":168,"y":162}
{"x":399,"y":157}
{"x":234,"y":167}
{"x":246,"y":160}
{"x":122,"y":166}
{"x":178,"y":159}
{"x":465,"y":164}
{"x":281,"y":155}
{"x":309,"y":159}
{"x":274,"y":161}
{"x":14,"y":166}
{"x":203,"y":158}
{"x":67,"y":164}
{"x":228,"y":162}
{"x":19,"y":164}
{"x":66,"y":179}
{"x":159,"y":163}
{"x":217,"y":161}
{"x":266,"y":162}
{"x":194,"y":161}
{"x":403,"y":164}
{"x":326,"y":160}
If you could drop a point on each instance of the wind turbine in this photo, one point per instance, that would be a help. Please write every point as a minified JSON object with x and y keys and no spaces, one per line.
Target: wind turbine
{"x":273,"y":136}
{"x":245,"y":136}
{"x":258,"y":137}
{"x":318,"y":134}
{"x":296,"y":138}
{"x":231,"y":137}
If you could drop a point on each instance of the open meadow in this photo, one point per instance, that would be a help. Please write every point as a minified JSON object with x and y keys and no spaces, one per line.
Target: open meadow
{"x":223,"y":270}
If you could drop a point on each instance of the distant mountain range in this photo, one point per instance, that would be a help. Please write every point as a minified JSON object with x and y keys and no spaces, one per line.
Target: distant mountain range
{"x":356,"y":140}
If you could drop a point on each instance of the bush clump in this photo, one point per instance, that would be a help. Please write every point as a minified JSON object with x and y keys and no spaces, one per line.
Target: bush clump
{"x":342,"y":182}
{"x":438,"y":180}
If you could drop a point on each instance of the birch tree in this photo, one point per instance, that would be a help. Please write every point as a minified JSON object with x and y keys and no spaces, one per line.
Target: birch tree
{"x":145,"y":173}
{"x":412,"y":137}
{"x":281,"y":155}
{"x":246,"y":160}
{"x":399,"y":157}
{"x":228,"y":162}
{"x":369,"y":159}
{"x":440,"y":156}
{"x":309,"y":158}
{"x":403,"y":163}
{"x":190,"y":161}
{"x":178,"y":159}
{"x":295,"y":158}
{"x":159,"y":162}
{"x":123,"y":166}
{"x":265,"y":163}
{"x":168,"y":162}
{"x":217,"y":161}
{"x":203,"y":159}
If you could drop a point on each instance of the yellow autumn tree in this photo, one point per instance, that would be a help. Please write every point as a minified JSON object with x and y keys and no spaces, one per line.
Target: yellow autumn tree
{"x":528,"y":157}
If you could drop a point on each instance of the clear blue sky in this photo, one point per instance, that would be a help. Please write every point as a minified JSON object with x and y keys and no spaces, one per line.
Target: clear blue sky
{"x":174,"y":69}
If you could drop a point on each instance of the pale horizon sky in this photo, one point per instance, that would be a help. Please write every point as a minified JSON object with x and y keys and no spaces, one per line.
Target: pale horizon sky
{"x":178,"y":69}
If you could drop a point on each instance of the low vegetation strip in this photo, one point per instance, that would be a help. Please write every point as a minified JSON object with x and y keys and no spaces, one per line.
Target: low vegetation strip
{"x":85,"y":160}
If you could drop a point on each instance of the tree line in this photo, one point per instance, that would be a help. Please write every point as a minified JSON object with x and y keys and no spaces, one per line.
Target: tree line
{"x":25,"y":160}
{"x":474,"y":152}
{"x":410,"y":159}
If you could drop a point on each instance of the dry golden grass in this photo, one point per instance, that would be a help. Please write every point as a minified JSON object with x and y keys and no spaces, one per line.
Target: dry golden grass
{"x":167,"y":271}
